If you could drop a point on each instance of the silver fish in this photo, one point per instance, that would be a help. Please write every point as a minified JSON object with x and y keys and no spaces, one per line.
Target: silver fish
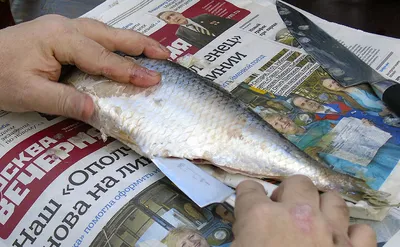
{"x":185,"y":117}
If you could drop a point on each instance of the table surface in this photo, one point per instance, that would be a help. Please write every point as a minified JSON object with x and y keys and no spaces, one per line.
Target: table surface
{"x":376,"y":16}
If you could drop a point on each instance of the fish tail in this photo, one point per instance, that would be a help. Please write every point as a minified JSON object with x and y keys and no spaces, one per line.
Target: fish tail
{"x":374,"y":197}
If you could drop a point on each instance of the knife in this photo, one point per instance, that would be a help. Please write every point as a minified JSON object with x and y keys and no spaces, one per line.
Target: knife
{"x":205,"y":184}
{"x":340,"y":63}
{"x":199,"y":186}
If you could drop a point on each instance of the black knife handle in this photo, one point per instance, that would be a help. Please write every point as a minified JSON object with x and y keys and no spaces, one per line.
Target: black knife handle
{"x":391,"y":96}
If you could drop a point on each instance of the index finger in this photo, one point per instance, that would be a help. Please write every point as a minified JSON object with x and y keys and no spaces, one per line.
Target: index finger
{"x":248,"y":194}
{"x":116,"y":39}
{"x":93,"y":58}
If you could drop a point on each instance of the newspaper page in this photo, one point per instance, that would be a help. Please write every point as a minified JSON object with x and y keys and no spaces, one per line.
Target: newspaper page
{"x":380,"y":52}
{"x":62,"y":185}
{"x":246,"y":49}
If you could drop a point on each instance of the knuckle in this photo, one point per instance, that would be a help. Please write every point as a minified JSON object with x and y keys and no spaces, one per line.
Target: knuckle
{"x":68,"y":103}
{"x":132,"y":66}
{"x":62,"y":103}
{"x":107,"y":71}
{"x":53,"y":18}
{"x":88,"y":23}
{"x":338,"y":201}
{"x":115,"y":34}
{"x":104,"y":54}
{"x":56,"y":23}
{"x":84,"y":21}
{"x":247,"y":184}
{"x":105,"y":67}
{"x":301,"y":179}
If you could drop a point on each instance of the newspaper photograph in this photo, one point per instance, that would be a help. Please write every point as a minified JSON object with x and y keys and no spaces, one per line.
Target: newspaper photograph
{"x":161,"y":215}
{"x":307,"y":116}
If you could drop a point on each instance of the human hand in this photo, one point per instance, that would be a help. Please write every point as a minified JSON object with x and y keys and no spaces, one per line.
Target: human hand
{"x":31,"y":55}
{"x":295,"y":216}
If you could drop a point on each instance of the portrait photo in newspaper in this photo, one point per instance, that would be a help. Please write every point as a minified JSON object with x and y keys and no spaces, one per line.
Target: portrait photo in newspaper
{"x":198,"y":30}
{"x":192,"y":29}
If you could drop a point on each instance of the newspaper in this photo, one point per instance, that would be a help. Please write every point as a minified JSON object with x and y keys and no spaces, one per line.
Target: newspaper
{"x":62,"y":185}
{"x":245,"y":48}
{"x":254,"y":57}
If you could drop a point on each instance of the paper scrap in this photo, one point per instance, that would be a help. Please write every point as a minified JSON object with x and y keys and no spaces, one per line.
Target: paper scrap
{"x":354,"y":140}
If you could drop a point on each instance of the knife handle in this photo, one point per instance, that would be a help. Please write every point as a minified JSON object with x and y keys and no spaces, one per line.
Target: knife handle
{"x":391,"y":95}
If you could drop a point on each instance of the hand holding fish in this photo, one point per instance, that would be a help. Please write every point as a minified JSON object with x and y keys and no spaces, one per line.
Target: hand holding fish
{"x":32,"y":54}
{"x":295,"y":216}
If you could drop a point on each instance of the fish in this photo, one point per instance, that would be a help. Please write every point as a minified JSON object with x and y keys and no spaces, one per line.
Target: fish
{"x":187,"y":116}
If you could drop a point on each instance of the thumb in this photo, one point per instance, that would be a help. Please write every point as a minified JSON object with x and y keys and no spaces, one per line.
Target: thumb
{"x":248,"y":194}
{"x":57,"y":99}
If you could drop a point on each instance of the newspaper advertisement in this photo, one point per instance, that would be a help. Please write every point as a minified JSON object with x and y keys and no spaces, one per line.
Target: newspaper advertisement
{"x":62,"y":185}
{"x":246,"y":49}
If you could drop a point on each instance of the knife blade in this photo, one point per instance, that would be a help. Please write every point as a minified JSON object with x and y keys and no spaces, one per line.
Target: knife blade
{"x":199,"y":186}
{"x":340,"y":63}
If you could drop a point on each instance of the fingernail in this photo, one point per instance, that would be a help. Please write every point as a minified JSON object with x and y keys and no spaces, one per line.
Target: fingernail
{"x":151,"y":72}
{"x":164,"y":49}
{"x":143,"y":72}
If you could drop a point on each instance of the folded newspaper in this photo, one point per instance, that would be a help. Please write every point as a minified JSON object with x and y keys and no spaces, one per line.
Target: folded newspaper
{"x":61,"y":184}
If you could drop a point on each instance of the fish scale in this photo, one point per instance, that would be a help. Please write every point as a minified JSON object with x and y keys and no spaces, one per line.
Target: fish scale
{"x":184,"y":117}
